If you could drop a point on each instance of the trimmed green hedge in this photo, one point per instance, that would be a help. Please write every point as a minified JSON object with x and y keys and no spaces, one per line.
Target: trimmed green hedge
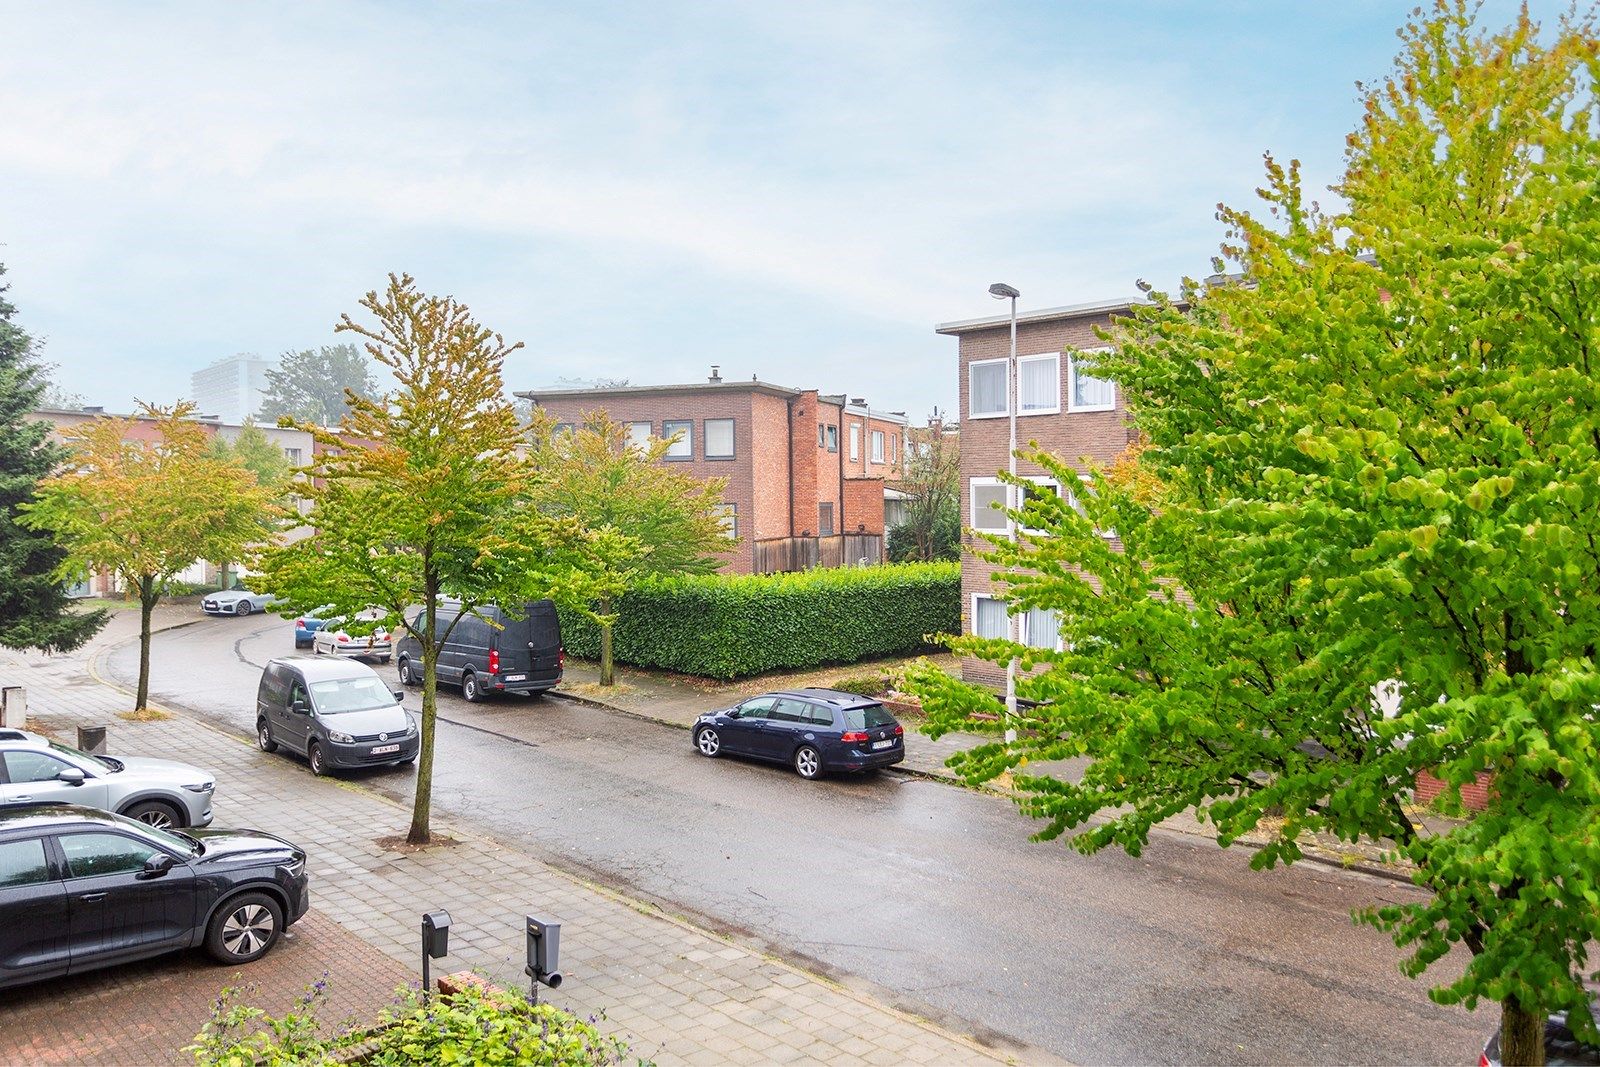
{"x":734,"y":625}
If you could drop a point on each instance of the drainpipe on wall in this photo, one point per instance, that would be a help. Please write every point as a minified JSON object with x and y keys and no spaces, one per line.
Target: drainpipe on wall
{"x":788,"y":460}
{"x":844,"y":409}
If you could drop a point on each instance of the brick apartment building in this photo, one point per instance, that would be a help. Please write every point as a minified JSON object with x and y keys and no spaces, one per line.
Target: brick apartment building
{"x":1060,"y":405}
{"x":296,"y":445}
{"x":805,"y":470}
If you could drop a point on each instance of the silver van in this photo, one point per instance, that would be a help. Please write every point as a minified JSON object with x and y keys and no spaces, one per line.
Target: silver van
{"x":337,"y":713}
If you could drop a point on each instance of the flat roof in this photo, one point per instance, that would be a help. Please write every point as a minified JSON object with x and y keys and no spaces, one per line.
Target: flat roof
{"x":752,"y":386}
{"x":1068,"y":311}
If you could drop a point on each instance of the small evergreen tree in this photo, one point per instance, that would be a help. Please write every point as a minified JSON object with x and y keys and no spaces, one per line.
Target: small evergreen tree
{"x":34,"y":609}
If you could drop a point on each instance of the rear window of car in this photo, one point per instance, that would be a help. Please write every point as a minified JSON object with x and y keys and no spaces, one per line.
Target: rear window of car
{"x":867,"y":717}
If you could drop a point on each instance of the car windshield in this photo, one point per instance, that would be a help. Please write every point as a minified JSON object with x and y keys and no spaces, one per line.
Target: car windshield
{"x":99,"y":761}
{"x":350,"y":694}
{"x":869,"y":717}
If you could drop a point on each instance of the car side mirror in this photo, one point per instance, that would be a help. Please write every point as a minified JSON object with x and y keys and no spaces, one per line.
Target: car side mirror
{"x":399,"y":695}
{"x":156,"y":866}
{"x":735,"y":713}
{"x":299,"y":707}
{"x":71,"y":776}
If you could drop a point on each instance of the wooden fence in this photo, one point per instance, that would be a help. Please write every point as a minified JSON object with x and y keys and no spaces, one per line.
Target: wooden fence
{"x":803,"y":553}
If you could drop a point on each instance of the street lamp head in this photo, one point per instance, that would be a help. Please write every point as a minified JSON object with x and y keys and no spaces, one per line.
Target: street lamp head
{"x":1002,"y":291}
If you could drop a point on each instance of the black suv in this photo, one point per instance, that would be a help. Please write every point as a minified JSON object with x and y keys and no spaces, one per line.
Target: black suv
{"x":81,"y":888}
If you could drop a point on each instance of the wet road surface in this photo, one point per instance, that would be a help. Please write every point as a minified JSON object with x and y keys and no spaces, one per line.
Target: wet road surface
{"x":925,"y":895}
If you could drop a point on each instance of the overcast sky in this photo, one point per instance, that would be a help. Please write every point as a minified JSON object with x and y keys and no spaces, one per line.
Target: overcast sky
{"x":795,"y":191}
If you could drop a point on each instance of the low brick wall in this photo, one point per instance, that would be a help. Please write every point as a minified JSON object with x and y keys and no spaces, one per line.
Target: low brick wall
{"x":1474,"y":795}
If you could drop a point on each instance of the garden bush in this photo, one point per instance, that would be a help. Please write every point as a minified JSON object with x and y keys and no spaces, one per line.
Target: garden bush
{"x":735,"y":625}
{"x":483,"y":1026}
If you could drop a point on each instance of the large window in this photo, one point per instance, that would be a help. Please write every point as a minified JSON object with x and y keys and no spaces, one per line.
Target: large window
{"x":683,"y":447}
{"x":877,"y":446}
{"x":989,"y":618}
{"x":719,"y":438}
{"x":639,"y":435}
{"x":825,"y":519}
{"x":986,"y":389}
{"x":1039,"y":384}
{"x":1085,"y":392}
{"x":988,"y":505}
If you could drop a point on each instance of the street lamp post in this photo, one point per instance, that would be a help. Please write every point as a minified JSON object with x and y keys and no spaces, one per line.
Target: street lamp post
{"x":1002,"y":291}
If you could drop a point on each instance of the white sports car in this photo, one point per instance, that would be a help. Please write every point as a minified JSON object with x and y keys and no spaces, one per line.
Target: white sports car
{"x":236,"y":602}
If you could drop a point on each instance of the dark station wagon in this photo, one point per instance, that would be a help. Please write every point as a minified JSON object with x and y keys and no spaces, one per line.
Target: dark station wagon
{"x":815,"y":731}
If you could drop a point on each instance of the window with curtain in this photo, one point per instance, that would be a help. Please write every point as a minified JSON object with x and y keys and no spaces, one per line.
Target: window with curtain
{"x":639,"y":435}
{"x":989,"y":617}
{"x":1041,"y":628}
{"x":986,"y":388}
{"x":683,"y":447}
{"x":719,"y":438}
{"x":986,"y":493}
{"x":877,"y":446}
{"x":1038,"y":385}
{"x":1088,"y":392}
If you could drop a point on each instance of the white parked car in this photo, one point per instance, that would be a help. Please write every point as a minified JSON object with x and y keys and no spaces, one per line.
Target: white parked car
{"x":236,"y":602}
{"x":333,"y":639}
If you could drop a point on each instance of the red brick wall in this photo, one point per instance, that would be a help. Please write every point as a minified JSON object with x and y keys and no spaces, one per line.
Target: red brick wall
{"x":1102,"y":436}
{"x":894,"y":441}
{"x":863,"y":505}
{"x":1474,"y":795}
{"x":805,"y":459}
{"x":697,"y":407}
{"x":770,"y":460}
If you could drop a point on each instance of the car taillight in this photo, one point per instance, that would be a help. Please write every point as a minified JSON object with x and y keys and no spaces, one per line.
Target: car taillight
{"x":561,"y":659}
{"x":300,"y":623}
{"x":899,"y":730}
{"x":1483,"y":1059}
{"x":853,"y":735}
{"x":494,"y":661}
{"x":342,"y":637}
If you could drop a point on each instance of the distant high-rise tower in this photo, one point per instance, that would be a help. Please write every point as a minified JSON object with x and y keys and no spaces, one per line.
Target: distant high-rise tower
{"x":230,"y":388}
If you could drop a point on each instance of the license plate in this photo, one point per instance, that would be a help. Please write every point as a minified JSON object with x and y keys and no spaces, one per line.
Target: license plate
{"x":883,"y":744}
{"x":382,"y":749}
{"x":516,"y":677}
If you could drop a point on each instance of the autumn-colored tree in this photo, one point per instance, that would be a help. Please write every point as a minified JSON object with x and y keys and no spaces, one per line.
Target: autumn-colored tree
{"x":144,"y":509}
{"x":252,"y":449}
{"x":644,"y":519}
{"x":1372,"y":463}
{"x":422,"y":494}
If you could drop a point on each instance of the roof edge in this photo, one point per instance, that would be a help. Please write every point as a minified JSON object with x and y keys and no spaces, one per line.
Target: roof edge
{"x":1066,"y":311}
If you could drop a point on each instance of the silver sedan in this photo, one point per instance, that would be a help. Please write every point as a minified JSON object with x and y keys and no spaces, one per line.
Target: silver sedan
{"x":161,"y":793}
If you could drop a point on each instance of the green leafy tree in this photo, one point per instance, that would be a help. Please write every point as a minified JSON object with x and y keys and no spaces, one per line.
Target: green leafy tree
{"x":421,"y":495}
{"x":34,"y":609}
{"x":1371,"y":460}
{"x":642,"y":518}
{"x":932,"y":484}
{"x":252,"y":449}
{"x":317,"y":385}
{"x":145,"y":498}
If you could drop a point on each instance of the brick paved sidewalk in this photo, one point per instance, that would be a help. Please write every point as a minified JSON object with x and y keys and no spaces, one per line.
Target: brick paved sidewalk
{"x":677,"y":993}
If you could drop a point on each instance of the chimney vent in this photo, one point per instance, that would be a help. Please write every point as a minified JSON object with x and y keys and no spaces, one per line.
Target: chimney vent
{"x":716,"y":375}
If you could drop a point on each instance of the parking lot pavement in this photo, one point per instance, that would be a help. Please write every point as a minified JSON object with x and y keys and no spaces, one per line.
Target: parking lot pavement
{"x":145,"y":1013}
{"x":676,"y":992}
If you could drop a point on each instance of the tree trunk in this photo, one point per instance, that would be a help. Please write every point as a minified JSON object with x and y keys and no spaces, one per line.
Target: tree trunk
{"x":147,"y":604}
{"x":608,"y":666}
{"x":422,"y":805}
{"x":1521,"y":1034}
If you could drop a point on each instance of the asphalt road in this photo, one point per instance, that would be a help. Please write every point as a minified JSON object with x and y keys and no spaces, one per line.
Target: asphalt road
{"x":926,"y":895}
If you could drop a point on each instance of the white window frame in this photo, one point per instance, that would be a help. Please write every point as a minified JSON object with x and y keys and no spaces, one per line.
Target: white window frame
{"x":855,"y":442}
{"x":685,"y":442}
{"x":705,"y":440}
{"x":1076,"y":501}
{"x":989,"y":596}
{"x":876,"y":453}
{"x":1053,"y":357}
{"x":1005,"y":410}
{"x":973,"y":510}
{"x":1072,"y":383}
{"x":1040,"y":479}
{"x":649,"y":431}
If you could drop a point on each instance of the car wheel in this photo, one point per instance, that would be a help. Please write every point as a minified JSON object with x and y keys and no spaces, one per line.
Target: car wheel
{"x":316,"y":648}
{"x":808,"y":762}
{"x":314,"y":757}
{"x":709,"y":742}
{"x":264,"y":739}
{"x":406,"y":677}
{"x":469,"y":688}
{"x":157,"y":813}
{"x":244,"y":928}
{"x":244,"y":608}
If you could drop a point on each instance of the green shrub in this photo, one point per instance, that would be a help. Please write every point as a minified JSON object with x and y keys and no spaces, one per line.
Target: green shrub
{"x":867,"y":685}
{"x":474,"y":1026}
{"x":177,"y":588}
{"x":733,"y":626}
